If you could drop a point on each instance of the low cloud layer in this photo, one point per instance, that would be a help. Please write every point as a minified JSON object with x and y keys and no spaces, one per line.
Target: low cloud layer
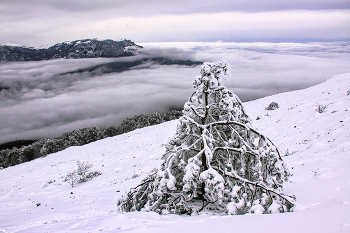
{"x":47,"y":98}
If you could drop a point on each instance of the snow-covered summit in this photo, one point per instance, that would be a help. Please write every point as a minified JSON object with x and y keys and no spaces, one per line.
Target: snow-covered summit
{"x":34,"y":197}
{"x":87,"y":48}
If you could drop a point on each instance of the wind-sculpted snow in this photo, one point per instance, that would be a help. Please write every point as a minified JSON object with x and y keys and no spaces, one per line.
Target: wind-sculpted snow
{"x":314,"y":145}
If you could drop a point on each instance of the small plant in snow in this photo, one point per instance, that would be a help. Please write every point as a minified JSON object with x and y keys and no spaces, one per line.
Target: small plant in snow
{"x":216,"y":160}
{"x":82,"y":174}
{"x":50,"y":182}
{"x":272,"y":106}
{"x":288,"y":153}
{"x":348,"y":93}
{"x":321,"y":108}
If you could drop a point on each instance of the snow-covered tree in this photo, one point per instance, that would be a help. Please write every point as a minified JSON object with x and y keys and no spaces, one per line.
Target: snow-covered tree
{"x":216,"y":160}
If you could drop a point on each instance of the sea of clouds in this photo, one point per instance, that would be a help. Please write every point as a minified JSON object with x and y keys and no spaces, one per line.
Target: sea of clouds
{"x":48,"y":98}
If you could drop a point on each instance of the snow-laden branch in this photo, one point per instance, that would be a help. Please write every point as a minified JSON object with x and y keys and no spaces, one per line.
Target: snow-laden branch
{"x":234,"y":175}
{"x":206,"y":126}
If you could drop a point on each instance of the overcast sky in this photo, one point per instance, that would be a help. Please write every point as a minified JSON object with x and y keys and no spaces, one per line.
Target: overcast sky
{"x":45,"y":22}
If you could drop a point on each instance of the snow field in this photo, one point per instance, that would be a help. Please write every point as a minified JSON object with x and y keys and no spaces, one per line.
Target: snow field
{"x":34,"y":197}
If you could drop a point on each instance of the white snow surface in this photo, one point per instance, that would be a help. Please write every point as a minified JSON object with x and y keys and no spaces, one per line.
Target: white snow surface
{"x":318,"y":145}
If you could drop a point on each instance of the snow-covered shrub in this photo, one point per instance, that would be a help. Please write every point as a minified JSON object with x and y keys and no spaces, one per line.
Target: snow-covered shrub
{"x":45,"y":146}
{"x":11,"y":157}
{"x":90,"y":134}
{"x":215,"y":160}
{"x":81,"y":174}
{"x":82,"y":136}
{"x":52,"y":145}
{"x":321,"y":108}
{"x":28,"y":153}
{"x":348,"y":93}
{"x":288,"y":153}
{"x":272,"y":106}
{"x":110,"y":131}
{"x":144,"y":120}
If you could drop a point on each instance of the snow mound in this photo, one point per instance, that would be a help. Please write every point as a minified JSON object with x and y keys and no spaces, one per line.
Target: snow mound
{"x":316,"y":147}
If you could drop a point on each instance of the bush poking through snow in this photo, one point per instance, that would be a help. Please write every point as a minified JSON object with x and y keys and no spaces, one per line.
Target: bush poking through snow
{"x":82,"y":174}
{"x":43,"y":147}
{"x":215,"y":161}
{"x":321,"y":108}
{"x":272,"y":106}
{"x":288,"y":153}
{"x":348,"y":93}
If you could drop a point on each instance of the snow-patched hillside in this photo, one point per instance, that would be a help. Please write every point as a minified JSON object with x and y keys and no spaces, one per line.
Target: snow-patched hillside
{"x":34,"y":197}
{"x":86,"y":48}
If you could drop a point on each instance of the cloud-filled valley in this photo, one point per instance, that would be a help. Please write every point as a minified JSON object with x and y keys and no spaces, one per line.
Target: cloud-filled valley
{"x":47,"y":98}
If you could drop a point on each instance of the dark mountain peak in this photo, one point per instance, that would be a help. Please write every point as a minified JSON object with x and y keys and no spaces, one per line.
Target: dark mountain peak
{"x":86,"y":48}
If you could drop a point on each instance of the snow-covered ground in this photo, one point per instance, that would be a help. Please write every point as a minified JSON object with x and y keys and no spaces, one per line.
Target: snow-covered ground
{"x":34,"y":197}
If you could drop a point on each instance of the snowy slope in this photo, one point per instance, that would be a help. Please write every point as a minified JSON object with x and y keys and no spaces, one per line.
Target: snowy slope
{"x":318,"y":145}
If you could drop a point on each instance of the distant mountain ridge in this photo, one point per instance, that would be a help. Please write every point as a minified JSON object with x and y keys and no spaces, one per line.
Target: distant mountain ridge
{"x":87,"y":48}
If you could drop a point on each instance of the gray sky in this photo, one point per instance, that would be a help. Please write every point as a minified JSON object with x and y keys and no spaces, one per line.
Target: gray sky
{"x":45,"y":22}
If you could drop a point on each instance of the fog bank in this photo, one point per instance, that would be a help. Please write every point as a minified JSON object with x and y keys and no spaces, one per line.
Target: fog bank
{"x":47,"y":98}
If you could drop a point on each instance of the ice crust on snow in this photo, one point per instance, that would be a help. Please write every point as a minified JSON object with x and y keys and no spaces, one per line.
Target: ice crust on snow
{"x":316,"y":145}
